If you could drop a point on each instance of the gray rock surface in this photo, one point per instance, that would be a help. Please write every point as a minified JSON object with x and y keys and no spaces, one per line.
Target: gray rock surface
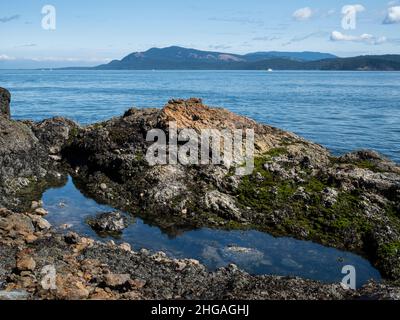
{"x":109,"y":222}
{"x":5,"y":99}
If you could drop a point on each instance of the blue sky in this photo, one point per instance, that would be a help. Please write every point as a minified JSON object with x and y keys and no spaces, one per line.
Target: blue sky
{"x":90,"y":32}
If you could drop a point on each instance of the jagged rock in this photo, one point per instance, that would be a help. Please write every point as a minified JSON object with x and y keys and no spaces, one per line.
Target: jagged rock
{"x":40,"y":223}
{"x":54,"y":133}
{"x":25,"y":262}
{"x":108,"y":222}
{"x":116,"y":280}
{"x":41,"y":212}
{"x":224,"y":204}
{"x":329,"y":197}
{"x":24,"y":165}
{"x":5,"y":99}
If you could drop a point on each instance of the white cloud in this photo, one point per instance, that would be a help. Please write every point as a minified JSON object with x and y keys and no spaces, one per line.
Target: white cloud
{"x":303,"y":14}
{"x":364,"y":38}
{"x":4,"y":57}
{"x":393,"y":15}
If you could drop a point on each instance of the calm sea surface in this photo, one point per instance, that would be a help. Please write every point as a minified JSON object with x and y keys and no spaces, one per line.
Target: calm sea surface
{"x":340,"y":110}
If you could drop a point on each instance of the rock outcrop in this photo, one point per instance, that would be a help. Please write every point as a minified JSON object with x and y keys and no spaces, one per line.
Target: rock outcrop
{"x":29,"y":156}
{"x":297,"y":188}
{"x":5,"y":99}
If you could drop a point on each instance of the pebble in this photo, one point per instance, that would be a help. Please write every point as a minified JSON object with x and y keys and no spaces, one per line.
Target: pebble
{"x":103,"y":186}
{"x":125,"y":246}
{"x":41,"y":212}
{"x":113,"y":280}
{"x":25,"y":263}
{"x":36,"y":204}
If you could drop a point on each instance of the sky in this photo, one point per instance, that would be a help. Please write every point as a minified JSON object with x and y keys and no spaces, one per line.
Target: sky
{"x":92,"y":32}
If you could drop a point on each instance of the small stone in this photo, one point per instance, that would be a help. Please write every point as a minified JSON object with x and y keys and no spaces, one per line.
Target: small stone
{"x":137,"y":283}
{"x":99,"y":294}
{"x":125,"y":246}
{"x":132,"y":295}
{"x":103,"y":186}
{"x":54,"y":150}
{"x":113,"y":280}
{"x":30,"y":238}
{"x":25,"y":263}
{"x":62,"y":205}
{"x":66,"y":226}
{"x":180,"y":265}
{"x":41,"y":212}
{"x":35,"y":205}
{"x":55,"y":158}
{"x":72,"y":238}
{"x":43,"y":224}
{"x":108,"y":222}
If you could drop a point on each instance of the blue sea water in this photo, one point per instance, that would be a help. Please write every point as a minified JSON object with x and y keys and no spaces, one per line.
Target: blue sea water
{"x":340,"y":110}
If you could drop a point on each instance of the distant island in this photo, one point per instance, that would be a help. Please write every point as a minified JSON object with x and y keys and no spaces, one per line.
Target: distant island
{"x":179,"y":58}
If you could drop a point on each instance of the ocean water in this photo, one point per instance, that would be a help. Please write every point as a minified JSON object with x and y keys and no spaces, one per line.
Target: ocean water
{"x":253,"y":251}
{"x":341,"y":110}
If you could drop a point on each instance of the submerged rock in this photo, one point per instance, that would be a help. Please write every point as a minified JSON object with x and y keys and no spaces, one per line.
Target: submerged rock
{"x":108,"y":222}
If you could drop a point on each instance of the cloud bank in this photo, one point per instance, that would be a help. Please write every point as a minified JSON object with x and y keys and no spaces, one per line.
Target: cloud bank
{"x":364,"y":38}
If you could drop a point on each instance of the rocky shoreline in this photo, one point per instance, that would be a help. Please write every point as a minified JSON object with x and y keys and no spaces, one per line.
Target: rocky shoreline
{"x":297,"y":189}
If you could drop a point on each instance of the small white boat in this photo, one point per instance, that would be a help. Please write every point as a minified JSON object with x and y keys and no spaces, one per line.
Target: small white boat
{"x":270,"y":70}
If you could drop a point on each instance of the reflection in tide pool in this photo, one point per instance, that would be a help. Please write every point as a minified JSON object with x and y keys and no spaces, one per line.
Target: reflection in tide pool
{"x":253,"y":251}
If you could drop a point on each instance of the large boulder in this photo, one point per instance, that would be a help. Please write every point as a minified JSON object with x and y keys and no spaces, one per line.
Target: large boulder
{"x":26,"y":167}
{"x":5,"y":99}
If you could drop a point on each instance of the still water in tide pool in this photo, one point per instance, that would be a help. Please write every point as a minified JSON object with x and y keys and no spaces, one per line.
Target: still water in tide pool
{"x":340,"y":110}
{"x":253,"y":251}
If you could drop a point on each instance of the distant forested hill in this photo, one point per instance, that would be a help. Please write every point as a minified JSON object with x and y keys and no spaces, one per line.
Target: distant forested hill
{"x":178,"y":58}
